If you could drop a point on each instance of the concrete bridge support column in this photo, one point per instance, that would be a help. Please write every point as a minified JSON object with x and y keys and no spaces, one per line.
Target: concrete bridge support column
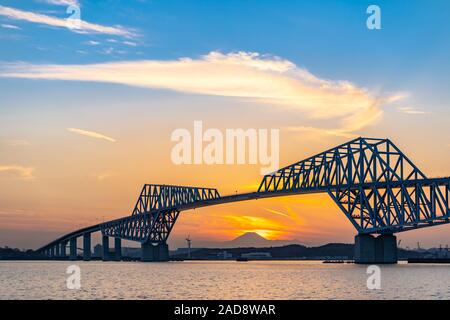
{"x":159,"y":252}
{"x":86,"y":246}
{"x":105,"y":247}
{"x":57,"y":250}
{"x":62,"y":249}
{"x":118,"y":249}
{"x":386,"y":248}
{"x":73,"y":249}
{"x":369,"y":249}
{"x":146,"y":252}
{"x":364,"y":248}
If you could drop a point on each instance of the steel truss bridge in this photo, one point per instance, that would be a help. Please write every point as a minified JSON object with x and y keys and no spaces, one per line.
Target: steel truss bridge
{"x":373,"y":182}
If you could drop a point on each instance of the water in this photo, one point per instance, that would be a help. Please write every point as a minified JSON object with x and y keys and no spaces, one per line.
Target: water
{"x":221,"y":280}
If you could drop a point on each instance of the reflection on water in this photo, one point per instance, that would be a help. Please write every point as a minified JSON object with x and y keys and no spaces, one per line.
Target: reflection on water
{"x":221,"y":280}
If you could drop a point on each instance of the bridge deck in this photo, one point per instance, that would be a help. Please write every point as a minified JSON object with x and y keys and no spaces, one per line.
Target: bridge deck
{"x":269,"y":194}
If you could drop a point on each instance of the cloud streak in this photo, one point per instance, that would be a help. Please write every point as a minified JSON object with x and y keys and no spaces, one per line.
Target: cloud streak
{"x":17,"y":171}
{"x":104,"y":176}
{"x":9,"y":26}
{"x":410,"y":110}
{"x":63,"y":2}
{"x":18,"y":143}
{"x":277,"y":212}
{"x":266,"y":79}
{"x":80,"y":27}
{"x":91,"y":134}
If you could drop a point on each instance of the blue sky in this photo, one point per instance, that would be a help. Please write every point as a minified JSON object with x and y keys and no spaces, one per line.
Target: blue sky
{"x":399,"y":78}
{"x":328,"y":37}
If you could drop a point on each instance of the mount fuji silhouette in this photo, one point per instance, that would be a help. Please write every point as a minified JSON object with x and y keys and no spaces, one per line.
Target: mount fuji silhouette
{"x":253,"y":239}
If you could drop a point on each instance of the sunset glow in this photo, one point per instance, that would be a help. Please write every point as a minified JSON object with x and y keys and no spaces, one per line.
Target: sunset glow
{"x":86,"y":115}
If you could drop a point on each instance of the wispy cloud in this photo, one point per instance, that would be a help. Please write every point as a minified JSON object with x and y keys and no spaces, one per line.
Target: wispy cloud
{"x":277,"y":212}
{"x":104,"y":176}
{"x":410,"y":110}
{"x":81,"y":27}
{"x":63,"y":2}
{"x":17,"y":171}
{"x":91,"y":134}
{"x":267,"y":79}
{"x":130,"y":43}
{"x":108,"y":50}
{"x":9,"y":26}
{"x":18,"y":143}
{"x":323,"y":131}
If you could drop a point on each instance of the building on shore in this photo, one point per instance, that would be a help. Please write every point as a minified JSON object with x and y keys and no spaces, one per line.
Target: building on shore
{"x":224,"y":255}
{"x":256,"y":255}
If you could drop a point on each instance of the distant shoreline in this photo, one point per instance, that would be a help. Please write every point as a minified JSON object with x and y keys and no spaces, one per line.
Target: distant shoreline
{"x":293,"y":252}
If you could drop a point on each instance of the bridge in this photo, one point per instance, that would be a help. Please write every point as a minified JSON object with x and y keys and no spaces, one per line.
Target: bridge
{"x":376,"y":186}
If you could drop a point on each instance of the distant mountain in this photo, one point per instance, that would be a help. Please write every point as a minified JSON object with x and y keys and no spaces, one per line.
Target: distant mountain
{"x":252,"y":239}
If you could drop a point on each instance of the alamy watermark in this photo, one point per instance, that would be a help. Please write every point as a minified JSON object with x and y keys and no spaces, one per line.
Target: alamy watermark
{"x":373,"y":22}
{"x":73,"y":281}
{"x":234,"y":146}
{"x":74,"y":20}
{"x":374,"y":280}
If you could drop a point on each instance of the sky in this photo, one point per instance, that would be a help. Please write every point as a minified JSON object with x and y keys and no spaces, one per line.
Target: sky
{"x":87,"y":106}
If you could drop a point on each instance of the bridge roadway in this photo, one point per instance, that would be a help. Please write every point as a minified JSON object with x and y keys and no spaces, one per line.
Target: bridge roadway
{"x":185,"y":207}
{"x":245,"y":197}
{"x":374,"y":184}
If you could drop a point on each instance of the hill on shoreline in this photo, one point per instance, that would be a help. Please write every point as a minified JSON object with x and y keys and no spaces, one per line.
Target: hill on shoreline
{"x":292,"y":251}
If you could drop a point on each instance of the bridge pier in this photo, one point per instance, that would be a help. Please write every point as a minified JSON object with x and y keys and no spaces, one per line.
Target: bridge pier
{"x":86,"y":247}
{"x":154,"y":253}
{"x":73,"y":249}
{"x":105,"y":246}
{"x":117,"y":249}
{"x":62,"y":250}
{"x":386,"y":247}
{"x":57,"y":255}
{"x":371,"y":250}
{"x":57,"y":251}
